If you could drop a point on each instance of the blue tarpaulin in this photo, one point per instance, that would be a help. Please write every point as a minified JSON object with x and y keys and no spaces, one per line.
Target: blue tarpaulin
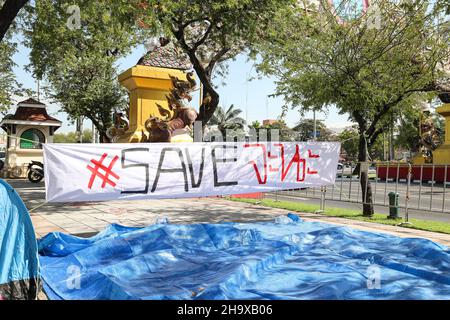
{"x":19,"y":264}
{"x":284,"y":259}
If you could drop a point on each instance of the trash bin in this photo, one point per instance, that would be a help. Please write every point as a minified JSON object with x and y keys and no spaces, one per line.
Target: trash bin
{"x":393,"y":205}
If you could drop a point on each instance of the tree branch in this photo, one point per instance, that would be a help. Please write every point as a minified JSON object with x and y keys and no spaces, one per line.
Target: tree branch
{"x":215,"y":59}
{"x":179,"y":35}
{"x":205,"y":36}
{"x":388,"y":106}
{"x":374,"y":136}
{"x":206,"y":111}
{"x":8,"y":13}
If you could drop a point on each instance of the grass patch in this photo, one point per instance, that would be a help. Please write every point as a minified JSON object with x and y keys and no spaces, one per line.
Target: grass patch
{"x":426,"y":225}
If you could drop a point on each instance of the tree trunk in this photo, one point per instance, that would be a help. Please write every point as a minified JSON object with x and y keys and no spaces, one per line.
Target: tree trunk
{"x":8,"y":13}
{"x":211,"y":101}
{"x":210,"y":95}
{"x":103,"y":138}
{"x":366,"y":187}
{"x":210,"y":98}
{"x":101,"y":129}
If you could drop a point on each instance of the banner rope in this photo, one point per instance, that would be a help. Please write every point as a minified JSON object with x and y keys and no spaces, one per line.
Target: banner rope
{"x":17,"y":137}
{"x":37,"y":206}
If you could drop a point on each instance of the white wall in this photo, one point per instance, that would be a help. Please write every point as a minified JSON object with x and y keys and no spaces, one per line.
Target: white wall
{"x":20,"y":158}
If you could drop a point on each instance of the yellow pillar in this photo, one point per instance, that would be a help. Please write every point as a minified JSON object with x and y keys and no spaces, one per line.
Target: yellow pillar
{"x":442,"y":154}
{"x":147,"y":86}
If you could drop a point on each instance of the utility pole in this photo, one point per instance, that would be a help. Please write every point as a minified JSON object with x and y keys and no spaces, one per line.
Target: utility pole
{"x":246,"y":98}
{"x":200,"y":96}
{"x":79,"y":129}
{"x":315,"y":125}
{"x":391,"y":140}
{"x":247,"y":79}
{"x":94,"y":133}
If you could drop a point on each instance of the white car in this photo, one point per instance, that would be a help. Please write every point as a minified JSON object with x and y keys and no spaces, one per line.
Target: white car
{"x":344,"y":170}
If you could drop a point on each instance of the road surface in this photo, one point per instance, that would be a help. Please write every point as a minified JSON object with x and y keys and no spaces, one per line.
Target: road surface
{"x":426,"y":201}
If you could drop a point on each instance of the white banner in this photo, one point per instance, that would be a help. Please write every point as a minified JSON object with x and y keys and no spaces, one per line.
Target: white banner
{"x":97,"y":172}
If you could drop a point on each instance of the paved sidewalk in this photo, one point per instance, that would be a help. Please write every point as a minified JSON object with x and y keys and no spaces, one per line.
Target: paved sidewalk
{"x":88,"y":218}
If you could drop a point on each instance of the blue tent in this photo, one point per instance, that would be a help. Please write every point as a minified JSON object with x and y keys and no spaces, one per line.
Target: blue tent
{"x":285,"y":259}
{"x":19,"y":263}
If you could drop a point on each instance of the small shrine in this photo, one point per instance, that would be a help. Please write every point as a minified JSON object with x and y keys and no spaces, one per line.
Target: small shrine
{"x":432,"y":163}
{"x":27,"y":129}
{"x":441,"y":154}
{"x":432,"y":152}
{"x":159,"y":88}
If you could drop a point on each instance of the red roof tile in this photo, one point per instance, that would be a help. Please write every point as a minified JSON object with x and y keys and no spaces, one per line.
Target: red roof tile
{"x":31,"y":114}
{"x":31,"y":101}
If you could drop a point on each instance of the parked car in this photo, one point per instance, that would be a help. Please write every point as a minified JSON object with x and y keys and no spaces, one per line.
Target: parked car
{"x":345,"y":170}
{"x":372,"y":172}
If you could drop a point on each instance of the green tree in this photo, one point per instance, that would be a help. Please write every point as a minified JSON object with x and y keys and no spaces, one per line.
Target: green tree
{"x":284,"y":132}
{"x":75,"y":51}
{"x":349,"y":146}
{"x":8,"y":83}
{"x":255,"y":124}
{"x":281,"y":131}
{"x":72,"y":137}
{"x":377,"y":151}
{"x":227,"y":120}
{"x":211,"y":33}
{"x":305,"y":129}
{"x":92,"y":95}
{"x":408,"y":136}
{"x":368,"y":70}
{"x":9,"y":28}
{"x":349,"y":143}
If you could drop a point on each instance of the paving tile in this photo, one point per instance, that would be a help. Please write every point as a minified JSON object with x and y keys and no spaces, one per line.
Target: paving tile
{"x":85,"y":220}
{"x":43,"y":224}
{"x":99,"y":227}
{"x":97,"y":223}
{"x":38,"y":221}
{"x":73,"y":230}
{"x":61,"y":222}
{"x":44,"y":231}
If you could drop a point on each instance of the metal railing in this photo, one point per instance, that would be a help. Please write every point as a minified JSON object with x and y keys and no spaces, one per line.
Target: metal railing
{"x":419,"y":187}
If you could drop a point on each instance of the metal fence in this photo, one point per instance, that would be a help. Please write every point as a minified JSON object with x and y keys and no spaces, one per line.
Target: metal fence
{"x":419,"y":187}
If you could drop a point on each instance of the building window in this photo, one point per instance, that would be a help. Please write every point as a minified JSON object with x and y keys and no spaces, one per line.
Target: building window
{"x":32,"y":139}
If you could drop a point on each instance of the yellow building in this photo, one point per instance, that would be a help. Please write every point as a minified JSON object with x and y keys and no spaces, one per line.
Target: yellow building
{"x":442,"y":154}
{"x":27,"y":129}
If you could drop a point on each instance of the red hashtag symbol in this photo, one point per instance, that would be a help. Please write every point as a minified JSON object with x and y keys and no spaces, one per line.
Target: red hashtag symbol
{"x":107,"y":170}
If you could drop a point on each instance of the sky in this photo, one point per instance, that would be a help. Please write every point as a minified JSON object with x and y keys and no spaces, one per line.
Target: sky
{"x":249,"y":96}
